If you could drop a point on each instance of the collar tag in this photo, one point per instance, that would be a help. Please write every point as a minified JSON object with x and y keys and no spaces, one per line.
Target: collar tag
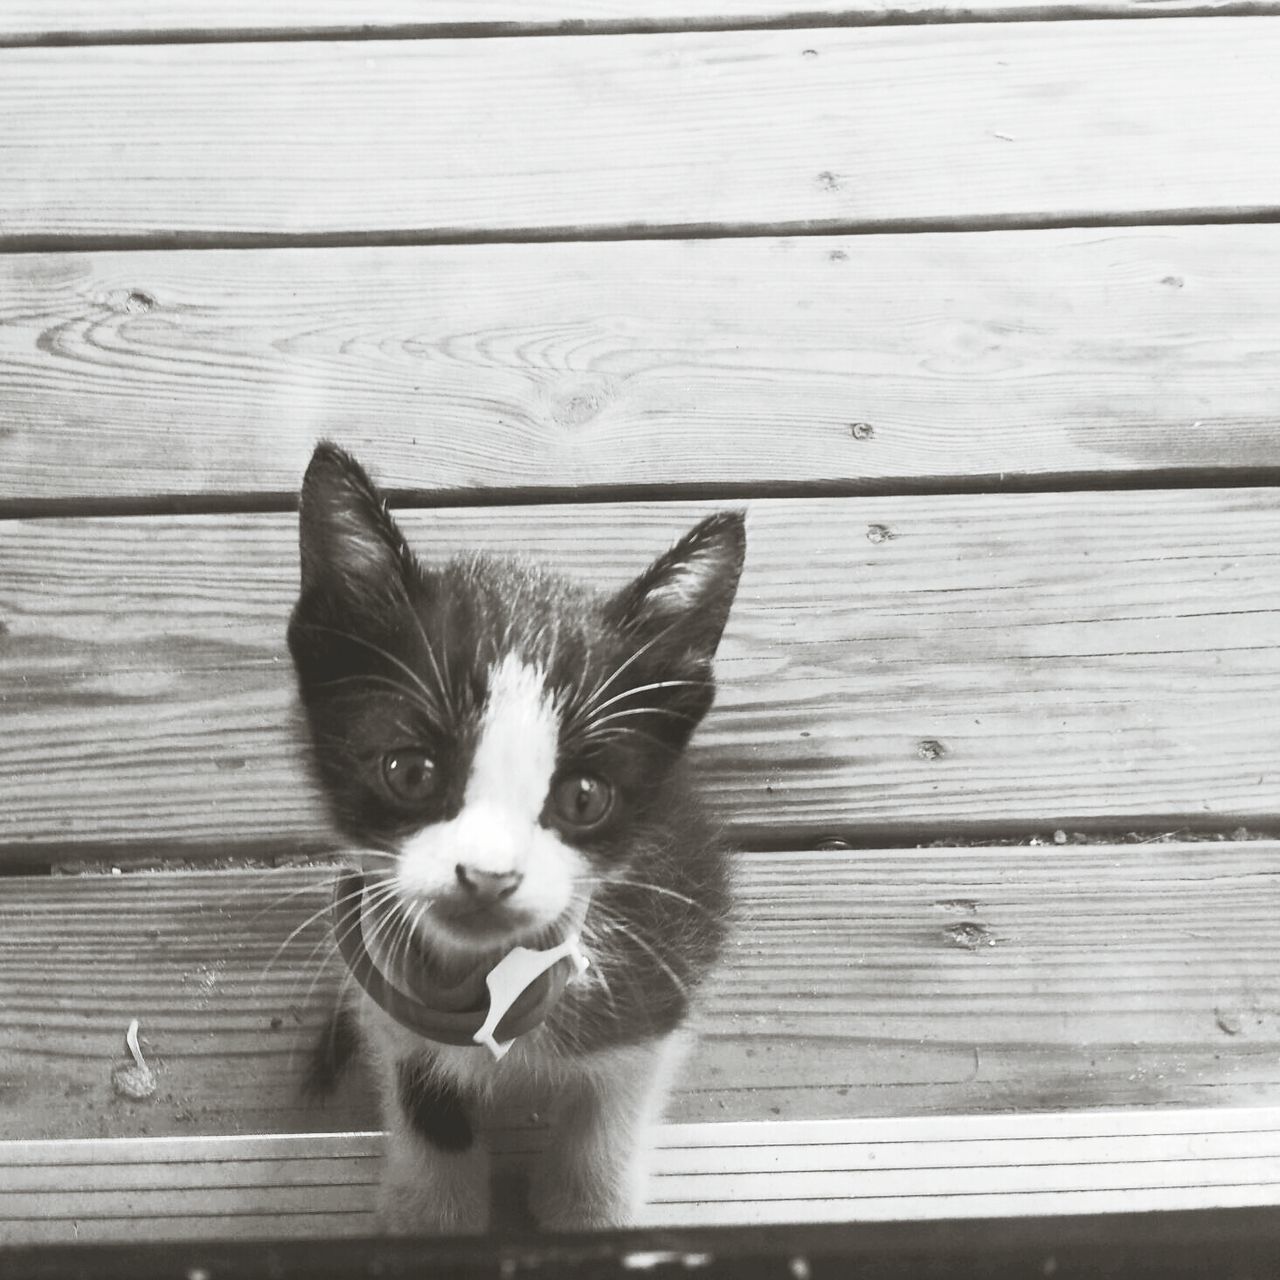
{"x":511,"y":977}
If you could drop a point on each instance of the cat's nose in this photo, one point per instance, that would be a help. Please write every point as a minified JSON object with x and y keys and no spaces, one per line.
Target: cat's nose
{"x":488,"y":886}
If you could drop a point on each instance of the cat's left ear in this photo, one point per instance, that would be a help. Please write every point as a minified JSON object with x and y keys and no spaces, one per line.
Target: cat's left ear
{"x":681,"y":602}
{"x":351,"y":548}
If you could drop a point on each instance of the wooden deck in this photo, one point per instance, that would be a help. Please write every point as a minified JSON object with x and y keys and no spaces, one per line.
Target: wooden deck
{"x":290,"y":1186}
{"x":973,"y":308}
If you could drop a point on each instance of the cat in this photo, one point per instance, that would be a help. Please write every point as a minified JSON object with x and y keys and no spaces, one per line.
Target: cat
{"x":503,"y":746}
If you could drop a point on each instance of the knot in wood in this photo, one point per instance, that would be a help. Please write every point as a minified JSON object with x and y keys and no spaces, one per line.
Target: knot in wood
{"x":969,"y":935}
{"x":138,"y":301}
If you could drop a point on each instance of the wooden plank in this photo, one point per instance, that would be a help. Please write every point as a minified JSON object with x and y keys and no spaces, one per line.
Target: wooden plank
{"x":873,"y":983}
{"x":905,"y":664}
{"x":72,"y":21}
{"x":841,"y":1170}
{"x":958,"y":1167}
{"x":626,"y":365}
{"x":816,"y":128}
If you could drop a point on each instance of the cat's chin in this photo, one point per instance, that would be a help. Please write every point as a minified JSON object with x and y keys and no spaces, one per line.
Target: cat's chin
{"x":492,"y":931}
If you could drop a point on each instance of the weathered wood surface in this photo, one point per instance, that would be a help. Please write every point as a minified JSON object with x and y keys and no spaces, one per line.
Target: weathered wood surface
{"x":68,"y":21}
{"x":820,"y":128}
{"x":154,"y":665}
{"x":729,"y":363}
{"x":881,"y":983}
{"x":892,"y":664}
{"x":290,"y":1186}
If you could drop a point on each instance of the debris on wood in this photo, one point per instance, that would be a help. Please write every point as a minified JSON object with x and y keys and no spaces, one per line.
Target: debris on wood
{"x":135,"y":1081}
{"x":1228,"y":1023}
{"x":1184,"y":835}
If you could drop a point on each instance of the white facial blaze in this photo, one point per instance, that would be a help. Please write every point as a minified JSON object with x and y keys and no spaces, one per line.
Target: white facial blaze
{"x":497,"y":830}
{"x":516,"y":754}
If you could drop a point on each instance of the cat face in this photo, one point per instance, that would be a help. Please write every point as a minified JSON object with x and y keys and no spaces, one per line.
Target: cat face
{"x":494,"y":737}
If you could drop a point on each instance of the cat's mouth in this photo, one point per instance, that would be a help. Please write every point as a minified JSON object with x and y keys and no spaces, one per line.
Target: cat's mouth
{"x":483,"y":926}
{"x":451,"y":932}
{"x":452,"y":1000}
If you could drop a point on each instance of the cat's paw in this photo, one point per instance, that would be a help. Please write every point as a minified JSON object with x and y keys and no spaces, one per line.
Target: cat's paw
{"x":566,"y":1208}
{"x":413,"y":1211}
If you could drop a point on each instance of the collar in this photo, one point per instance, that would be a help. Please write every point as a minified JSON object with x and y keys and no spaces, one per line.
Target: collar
{"x":489,"y":1007}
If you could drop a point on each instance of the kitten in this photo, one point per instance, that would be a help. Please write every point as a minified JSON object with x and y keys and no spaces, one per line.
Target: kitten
{"x":503,"y":747}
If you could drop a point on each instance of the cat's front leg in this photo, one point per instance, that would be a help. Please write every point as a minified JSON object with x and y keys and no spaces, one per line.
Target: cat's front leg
{"x":435,"y":1177}
{"x":592,"y":1175}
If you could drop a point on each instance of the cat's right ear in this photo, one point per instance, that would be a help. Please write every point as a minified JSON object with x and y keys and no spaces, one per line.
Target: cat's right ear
{"x":351,"y":548}
{"x":682,"y":599}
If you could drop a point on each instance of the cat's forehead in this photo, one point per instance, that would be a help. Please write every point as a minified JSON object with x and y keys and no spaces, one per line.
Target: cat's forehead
{"x":510,"y":584}
{"x":488,"y":610}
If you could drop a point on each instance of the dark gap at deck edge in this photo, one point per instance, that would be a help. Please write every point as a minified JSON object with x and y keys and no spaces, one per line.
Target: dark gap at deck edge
{"x":975,"y":224}
{"x":800,"y":20}
{"x":275,"y":502}
{"x":1225,"y":1243}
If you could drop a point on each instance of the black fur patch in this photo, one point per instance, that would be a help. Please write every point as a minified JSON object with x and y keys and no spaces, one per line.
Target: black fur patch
{"x":434,"y":1109}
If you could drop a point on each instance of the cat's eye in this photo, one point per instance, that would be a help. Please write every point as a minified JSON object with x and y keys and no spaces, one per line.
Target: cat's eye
{"x":410,"y":774}
{"x":582,"y":800}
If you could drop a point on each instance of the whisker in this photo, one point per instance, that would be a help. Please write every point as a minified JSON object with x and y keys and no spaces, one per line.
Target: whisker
{"x":340,"y":999}
{"x":431,"y":709}
{"x":331,"y":936}
{"x":418,"y":916}
{"x":350,"y":928}
{"x":336,"y":937}
{"x":662,"y":889}
{"x":654,"y":685}
{"x":375,"y":648}
{"x":611,"y":920}
{"x":322,"y":968}
{"x":590,"y":701}
{"x":311,"y":886}
{"x":441,"y":679}
{"x":313,"y":918}
{"x":385,"y":924}
{"x":316,"y":967}
{"x":619,"y":731}
{"x":399,"y":941}
{"x":377,"y":896}
{"x":638,"y":711}
{"x":598,"y":951}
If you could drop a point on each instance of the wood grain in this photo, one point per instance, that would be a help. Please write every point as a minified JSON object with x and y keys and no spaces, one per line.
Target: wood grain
{"x":624,"y":366}
{"x":899,"y":664}
{"x":288,"y":1186}
{"x":69,"y":21}
{"x":816,"y":128}
{"x":878,"y":983}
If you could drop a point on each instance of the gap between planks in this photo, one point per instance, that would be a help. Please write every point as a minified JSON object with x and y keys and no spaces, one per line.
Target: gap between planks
{"x":1068,"y":219}
{"x":702,"y":1174}
{"x":268,"y":503}
{"x":64,"y":23}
